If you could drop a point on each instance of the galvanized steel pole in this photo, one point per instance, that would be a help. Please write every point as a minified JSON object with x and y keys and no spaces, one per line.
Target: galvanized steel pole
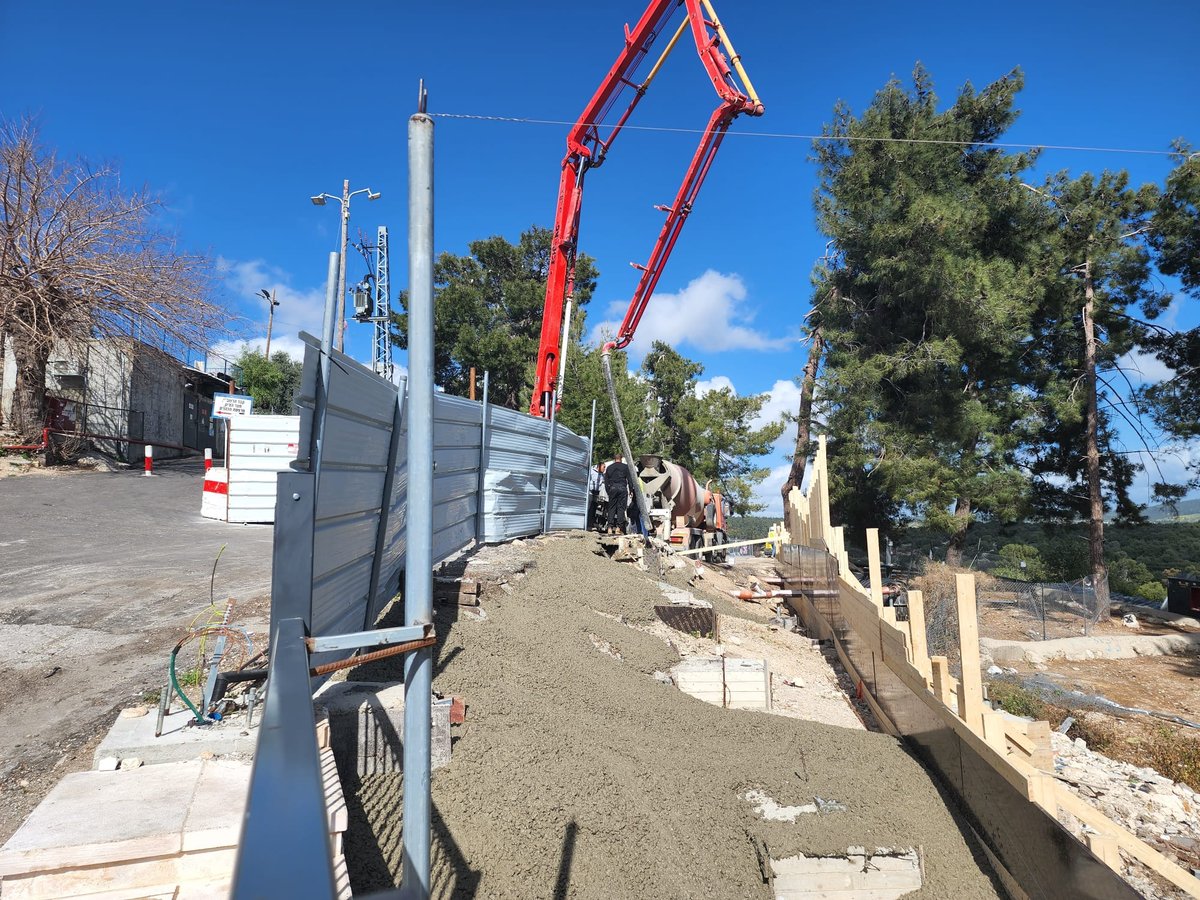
{"x":418,"y":569}
{"x":326,"y":350}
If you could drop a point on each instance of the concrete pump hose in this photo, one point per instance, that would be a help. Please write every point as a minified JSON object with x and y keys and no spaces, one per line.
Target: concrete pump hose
{"x":636,"y":483}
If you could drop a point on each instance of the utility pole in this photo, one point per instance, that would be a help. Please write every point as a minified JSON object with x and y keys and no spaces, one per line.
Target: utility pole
{"x":344,"y":200}
{"x":271,"y":304}
{"x":341,"y":308}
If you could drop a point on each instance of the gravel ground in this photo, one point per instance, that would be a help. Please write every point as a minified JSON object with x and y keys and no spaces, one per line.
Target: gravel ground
{"x":578,"y":774}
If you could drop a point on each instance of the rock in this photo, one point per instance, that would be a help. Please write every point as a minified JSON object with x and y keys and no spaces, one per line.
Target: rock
{"x":108,"y":764}
{"x":1129,"y":620}
{"x":207,"y":754}
{"x":1080,"y":743}
{"x":134,"y":712}
{"x":995,"y":670}
{"x":131,"y":762}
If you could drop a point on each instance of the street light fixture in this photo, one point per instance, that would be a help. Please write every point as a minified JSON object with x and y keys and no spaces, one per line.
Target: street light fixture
{"x":319,"y":200}
{"x":269,"y":296}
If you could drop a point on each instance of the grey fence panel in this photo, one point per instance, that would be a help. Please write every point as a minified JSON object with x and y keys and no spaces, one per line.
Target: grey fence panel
{"x":514,"y":481}
{"x":569,"y":496}
{"x":359,"y":415}
{"x":456,"y":459}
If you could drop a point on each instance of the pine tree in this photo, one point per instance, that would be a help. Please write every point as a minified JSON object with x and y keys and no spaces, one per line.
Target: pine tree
{"x":935,"y":291}
{"x":1098,"y":273}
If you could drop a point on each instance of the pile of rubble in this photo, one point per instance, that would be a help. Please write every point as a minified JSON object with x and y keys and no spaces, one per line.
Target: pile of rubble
{"x":1160,"y":812}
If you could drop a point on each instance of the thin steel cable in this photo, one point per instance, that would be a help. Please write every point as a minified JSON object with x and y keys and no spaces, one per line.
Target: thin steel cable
{"x":516,"y":120}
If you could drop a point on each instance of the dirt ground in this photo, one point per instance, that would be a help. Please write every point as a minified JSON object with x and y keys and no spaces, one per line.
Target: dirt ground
{"x":101,"y":573}
{"x":579,"y":774}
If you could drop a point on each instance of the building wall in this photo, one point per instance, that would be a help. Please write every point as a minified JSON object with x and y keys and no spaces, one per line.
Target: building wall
{"x":157,"y":392}
{"x":8,"y":378}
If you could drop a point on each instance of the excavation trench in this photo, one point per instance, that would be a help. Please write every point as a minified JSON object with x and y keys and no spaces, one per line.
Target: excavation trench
{"x":577,"y":775}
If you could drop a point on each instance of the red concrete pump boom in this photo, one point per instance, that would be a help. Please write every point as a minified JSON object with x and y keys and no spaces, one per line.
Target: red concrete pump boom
{"x":586,"y":149}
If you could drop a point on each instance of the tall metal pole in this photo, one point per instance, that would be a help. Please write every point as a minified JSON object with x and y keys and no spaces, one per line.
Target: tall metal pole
{"x":418,"y":569}
{"x":326,"y":349}
{"x":341,"y":285}
{"x":271,"y":304}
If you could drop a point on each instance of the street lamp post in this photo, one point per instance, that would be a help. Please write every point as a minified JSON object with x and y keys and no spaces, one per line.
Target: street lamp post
{"x":319,"y":200}
{"x":271,"y":304}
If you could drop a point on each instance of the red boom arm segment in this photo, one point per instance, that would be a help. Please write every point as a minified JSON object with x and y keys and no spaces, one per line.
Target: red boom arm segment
{"x":586,"y":149}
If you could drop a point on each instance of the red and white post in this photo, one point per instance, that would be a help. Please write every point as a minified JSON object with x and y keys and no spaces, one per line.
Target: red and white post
{"x":207,"y":459}
{"x":149,"y":461}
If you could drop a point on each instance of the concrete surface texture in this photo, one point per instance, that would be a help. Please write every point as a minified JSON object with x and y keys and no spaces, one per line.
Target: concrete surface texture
{"x":1082,"y":648}
{"x":101,"y":574}
{"x":133,"y":736}
{"x":579,"y":774}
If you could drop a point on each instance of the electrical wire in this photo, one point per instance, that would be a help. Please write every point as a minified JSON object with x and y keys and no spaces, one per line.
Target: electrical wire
{"x":518,"y":120}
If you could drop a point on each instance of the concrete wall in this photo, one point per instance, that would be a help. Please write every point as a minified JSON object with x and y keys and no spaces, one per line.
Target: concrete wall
{"x":157,"y":392}
{"x":8,"y":379}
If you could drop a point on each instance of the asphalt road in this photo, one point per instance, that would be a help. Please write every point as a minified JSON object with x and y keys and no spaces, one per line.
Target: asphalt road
{"x":100,"y":573}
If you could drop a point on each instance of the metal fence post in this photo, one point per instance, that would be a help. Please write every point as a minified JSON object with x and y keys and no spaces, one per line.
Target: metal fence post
{"x":418,"y":570}
{"x":549,"y":492}
{"x":591,"y":462}
{"x":326,"y":359}
{"x":480,"y":515}
{"x":292,"y":551}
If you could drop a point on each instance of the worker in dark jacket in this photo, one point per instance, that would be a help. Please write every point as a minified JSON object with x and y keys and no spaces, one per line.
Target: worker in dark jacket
{"x":616,"y":484}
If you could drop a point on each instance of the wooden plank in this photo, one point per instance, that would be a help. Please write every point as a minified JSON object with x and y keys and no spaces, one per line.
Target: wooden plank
{"x":968,"y":648}
{"x":917,"y":634}
{"x":940,"y":675}
{"x":1126,"y":841}
{"x":873,"y":570}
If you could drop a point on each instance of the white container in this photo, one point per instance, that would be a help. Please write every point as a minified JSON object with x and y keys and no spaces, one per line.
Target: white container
{"x":257,"y":448}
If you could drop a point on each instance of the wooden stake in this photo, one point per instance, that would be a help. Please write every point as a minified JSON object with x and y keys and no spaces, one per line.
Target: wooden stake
{"x":968,"y":646}
{"x":940,"y":676}
{"x":873,"y":570}
{"x":916,"y":633}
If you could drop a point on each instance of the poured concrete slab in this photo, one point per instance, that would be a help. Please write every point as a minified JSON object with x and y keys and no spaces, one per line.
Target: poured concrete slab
{"x":168,"y":830}
{"x":179,"y":742}
{"x":882,"y":875}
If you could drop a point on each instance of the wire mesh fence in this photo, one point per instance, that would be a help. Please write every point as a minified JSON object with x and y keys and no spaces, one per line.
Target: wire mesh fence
{"x":1038,"y":610}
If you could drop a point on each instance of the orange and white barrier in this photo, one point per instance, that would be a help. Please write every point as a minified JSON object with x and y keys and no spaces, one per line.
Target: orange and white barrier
{"x":207,"y":459}
{"x":149,"y":470}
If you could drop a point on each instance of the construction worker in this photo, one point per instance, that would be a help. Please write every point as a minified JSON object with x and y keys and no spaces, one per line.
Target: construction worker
{"x":616,"y":483}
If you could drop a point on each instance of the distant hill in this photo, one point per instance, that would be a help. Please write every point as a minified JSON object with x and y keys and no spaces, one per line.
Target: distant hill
{"x":1189,"y":511}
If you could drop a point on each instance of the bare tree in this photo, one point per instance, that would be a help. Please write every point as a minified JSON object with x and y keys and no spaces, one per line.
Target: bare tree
{"x":82,"y":259}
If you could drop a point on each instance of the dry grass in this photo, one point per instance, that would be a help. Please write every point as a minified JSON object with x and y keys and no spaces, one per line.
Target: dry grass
{"x":937,"y":584}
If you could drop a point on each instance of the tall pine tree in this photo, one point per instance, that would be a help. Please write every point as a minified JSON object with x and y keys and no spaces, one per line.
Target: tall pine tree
{"x":936,"y":288}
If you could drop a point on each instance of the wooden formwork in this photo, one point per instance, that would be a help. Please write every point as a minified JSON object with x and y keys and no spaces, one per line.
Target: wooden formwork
{"x":1019,"y":752}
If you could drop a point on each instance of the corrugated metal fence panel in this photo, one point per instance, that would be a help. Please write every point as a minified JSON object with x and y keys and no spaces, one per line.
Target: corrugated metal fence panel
{"x":456,"y":451}
{"x":259,"y":448}
{"x":514,"y":480}
{"x":392,"y":563}
{"x":354,"y":459}
{"x":569,"y":496}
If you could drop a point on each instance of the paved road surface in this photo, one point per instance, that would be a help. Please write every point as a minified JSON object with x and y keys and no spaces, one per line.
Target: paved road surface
{"x":99,"y":575}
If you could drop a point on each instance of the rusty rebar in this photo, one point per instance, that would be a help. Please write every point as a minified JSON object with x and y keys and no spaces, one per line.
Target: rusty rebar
{"x":372,"y":656}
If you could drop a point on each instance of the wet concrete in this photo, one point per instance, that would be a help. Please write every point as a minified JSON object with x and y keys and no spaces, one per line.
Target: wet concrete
{"x":577,"y":774}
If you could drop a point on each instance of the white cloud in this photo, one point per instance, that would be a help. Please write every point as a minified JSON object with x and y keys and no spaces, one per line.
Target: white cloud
{"x":231,"y":349}
{"x":767,"y":491}
{"x":1144,"y":368}
{"x":716,"y":383}
{"x":710,"y":314}
{"x":298,"y":309}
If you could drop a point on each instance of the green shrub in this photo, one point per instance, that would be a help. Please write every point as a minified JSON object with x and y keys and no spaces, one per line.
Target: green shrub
{"x":1154,"y":591}
{"x":1011,"y":557}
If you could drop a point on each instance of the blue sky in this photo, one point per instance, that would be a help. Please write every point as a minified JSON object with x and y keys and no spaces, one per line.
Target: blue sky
{"x":238,"y":113}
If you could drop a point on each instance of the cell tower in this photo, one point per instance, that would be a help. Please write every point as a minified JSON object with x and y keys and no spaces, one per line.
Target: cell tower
{"x":382,"y":359}
{"x":373,"y":302}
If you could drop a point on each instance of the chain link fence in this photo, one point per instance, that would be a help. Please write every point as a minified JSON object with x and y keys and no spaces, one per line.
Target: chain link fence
{"x":1039,"y":610}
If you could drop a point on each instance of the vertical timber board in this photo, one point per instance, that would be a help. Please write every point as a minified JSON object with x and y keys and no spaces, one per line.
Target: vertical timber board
{"x":918,"y":639}
{"x":968,"y":648}
{"x":292,"y":549}
{"x":873,"y":569}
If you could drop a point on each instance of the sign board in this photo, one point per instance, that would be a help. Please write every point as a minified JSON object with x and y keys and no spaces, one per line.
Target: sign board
{"x":226,"y":405}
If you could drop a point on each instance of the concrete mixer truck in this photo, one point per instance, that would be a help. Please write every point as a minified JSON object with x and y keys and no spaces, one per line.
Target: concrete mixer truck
{"x":681,"y":511}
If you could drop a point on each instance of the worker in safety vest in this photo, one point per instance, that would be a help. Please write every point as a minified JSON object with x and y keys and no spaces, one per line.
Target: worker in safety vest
{"x":769,"y":546}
